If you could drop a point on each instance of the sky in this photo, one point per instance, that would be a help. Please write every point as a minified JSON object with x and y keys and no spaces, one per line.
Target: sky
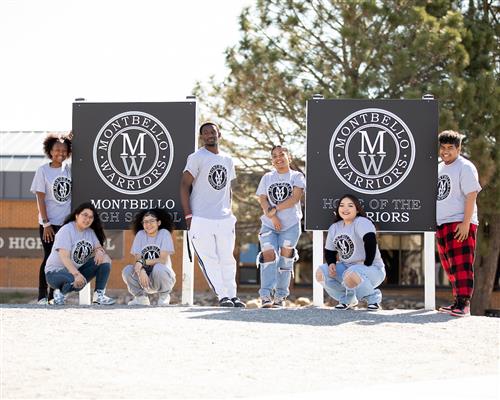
{"x":54,"y":51}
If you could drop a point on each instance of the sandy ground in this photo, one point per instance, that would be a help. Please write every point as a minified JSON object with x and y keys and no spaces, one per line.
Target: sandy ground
{"x":204,"y":352}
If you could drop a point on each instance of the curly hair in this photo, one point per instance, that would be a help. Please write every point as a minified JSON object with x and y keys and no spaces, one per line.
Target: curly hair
{"x":51,"y":140}
{"x":96,"y":225}
{"x":451,"y":137}
{"x":158,"y":213}
{"x":360,"y":211}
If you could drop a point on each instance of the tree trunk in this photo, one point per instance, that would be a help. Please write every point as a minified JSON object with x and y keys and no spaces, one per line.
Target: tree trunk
{"x":485,"y":268}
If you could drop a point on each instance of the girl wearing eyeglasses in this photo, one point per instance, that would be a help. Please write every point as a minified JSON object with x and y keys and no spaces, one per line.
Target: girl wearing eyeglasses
{"x":78,"y":256}
{"x":152,"y":270}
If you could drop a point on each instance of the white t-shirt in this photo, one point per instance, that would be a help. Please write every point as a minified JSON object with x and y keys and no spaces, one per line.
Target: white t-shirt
{"x":347,"y":240}
{"x":149,"y":247}
{"x":279,"y":187}
{"x":80,"y":245}
{"x":212,"y":173}
{"x":56,"y":184}
{"x":455,"y":182}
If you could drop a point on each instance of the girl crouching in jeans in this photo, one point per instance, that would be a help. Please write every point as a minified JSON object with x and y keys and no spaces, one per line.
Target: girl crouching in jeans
{"x":359,"y":270}
{"x":152,"y":270}
{"x":77,"y":256}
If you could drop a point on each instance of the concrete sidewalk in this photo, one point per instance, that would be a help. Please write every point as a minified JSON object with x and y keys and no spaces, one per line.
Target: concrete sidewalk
{"x":205,"y":352}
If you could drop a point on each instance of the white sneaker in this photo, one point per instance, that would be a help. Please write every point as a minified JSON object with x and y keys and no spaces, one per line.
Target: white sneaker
{"x":59,"y":298}
{"x":102,"y":299}
{"x":139,"y":301}
{"x":164,"y":299}
{"x":42,"y":302}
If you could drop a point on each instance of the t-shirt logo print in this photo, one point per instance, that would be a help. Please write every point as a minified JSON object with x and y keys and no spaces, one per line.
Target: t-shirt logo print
{"x":133,"y":152}
{"x":218,"y":176}
{"x":150,"y":252}
{"x":82,"y":252}
{"x":372,"y":151}
{"x":444,"y":187}
{"x":61,"y":189}
{"x":344,"y":245}
{"x":279,"y":192}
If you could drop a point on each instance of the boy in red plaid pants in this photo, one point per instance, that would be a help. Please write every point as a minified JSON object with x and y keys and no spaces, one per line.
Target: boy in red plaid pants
{"x":456,"y":211}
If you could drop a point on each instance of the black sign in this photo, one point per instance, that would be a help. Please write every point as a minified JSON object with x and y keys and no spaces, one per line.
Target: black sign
{"x":130,"y":156}
{"x":26,"y":243}
{"x":382,"y":151}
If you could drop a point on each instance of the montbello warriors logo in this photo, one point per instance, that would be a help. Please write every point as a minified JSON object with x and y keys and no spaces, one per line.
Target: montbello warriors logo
{"x":82,"y":252}
{"x":133,"y":152}
{"x":345,"y":245}
{"x":372,"y":151}
{"x":61,"y":189}
{"x":444,"y":187}
{"x":218,"y":177}
{"x":279,"y":192}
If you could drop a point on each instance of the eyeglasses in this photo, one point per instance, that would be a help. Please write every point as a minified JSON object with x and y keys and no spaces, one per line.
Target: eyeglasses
{"x":86,"y":215}
{"x":149,"y":221}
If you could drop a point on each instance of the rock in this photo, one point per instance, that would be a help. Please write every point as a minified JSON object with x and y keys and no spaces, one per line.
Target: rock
{"x":254,"y":303}
{"x":303,"y":301}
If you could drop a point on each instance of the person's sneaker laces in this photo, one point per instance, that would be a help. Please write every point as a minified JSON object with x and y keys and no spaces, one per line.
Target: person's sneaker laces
{"x":238,"y":303}
{"x":139,"y":301}
{"x":226,"y":302}
{"x":342,"y":306}
{"x":101,"y":298}
{"x":266,"y":302}
{"x":462,"y":308}
{"x":59,"y":298}
{"x":279,"y":302}
{"x":373,"y":307}
{"x":164,"y":299}
{"x":448,"y":309}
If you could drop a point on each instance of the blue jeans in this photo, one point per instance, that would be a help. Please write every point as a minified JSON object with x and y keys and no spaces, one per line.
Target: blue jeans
{"x":63,"y":280}
{"x":371,"y":278}
{"x":275,"y":275}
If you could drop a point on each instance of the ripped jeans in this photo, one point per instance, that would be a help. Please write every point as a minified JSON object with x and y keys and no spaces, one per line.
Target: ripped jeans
{"x":371,"y":278}
{"x":276,"y":275}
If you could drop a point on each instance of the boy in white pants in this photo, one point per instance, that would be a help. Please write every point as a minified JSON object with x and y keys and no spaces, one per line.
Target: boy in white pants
{"x":206,"y":199}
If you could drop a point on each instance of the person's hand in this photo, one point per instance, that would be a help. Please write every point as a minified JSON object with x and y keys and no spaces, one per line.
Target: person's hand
{"x":79,"y":281}
{"x":48,"y":234}
{"x":276,"y":222}
{"x":332,"y":270}
{"x":100,"y":256}
{"x":462,"y":231}
{"x":271,"y":212}
{"x":143,"y":279}
{"x":137,"y":268}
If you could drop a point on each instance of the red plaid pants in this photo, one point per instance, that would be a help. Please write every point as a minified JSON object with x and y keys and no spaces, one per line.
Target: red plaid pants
{"x":457,"y":258}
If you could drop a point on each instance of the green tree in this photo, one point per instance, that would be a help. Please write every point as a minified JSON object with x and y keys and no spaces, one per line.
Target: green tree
{"x":475,"y":113}
{"x":291,"y":49}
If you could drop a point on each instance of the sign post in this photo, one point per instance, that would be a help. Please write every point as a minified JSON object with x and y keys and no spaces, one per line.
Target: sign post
{"x":383,"y":152}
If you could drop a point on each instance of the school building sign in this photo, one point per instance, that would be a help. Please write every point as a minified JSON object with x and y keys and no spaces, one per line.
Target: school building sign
{"x":382,"y":151}
{"x":130,"y":156}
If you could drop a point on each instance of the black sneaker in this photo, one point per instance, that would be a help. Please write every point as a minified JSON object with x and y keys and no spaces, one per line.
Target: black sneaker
{"x":373,"y":307}
{"x":279,"y":302}
{"x":342,"y":306}
{"x":462,"y":309}
{"x":448,"y":309}
{"x":226,"y":302}
{"x":266,"y":302}
{"x":238,"y":303}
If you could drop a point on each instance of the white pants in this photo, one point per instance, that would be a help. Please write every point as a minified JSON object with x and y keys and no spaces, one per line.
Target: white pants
{"x":213,"y":242}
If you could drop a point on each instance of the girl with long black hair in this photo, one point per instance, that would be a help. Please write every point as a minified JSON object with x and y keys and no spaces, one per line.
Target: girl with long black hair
{"x":354,"y":267}
{"x":78,"y":256}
